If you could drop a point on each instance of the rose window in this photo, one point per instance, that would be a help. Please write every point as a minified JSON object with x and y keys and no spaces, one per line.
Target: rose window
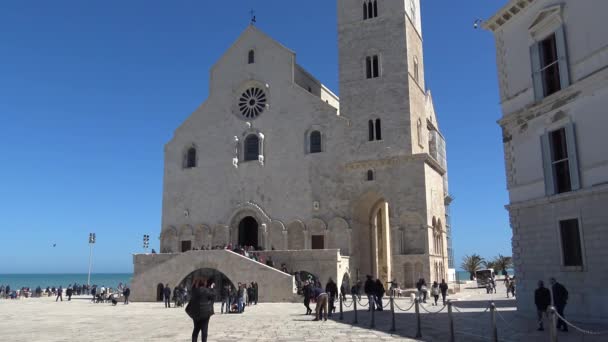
{"x":252,"y":103}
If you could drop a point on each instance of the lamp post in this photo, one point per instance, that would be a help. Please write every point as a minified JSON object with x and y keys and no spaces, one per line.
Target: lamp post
{"x":146,"y":243}
{"x":91,"y":243}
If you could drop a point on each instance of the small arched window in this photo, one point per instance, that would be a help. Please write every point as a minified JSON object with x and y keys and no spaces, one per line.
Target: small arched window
{"x":378,"y":130}
{"x":419,"y":133}
{"x":315,"y":142}
{"x":251,"y":57}
{"x":252,"y":147}
{"x":370,"y":175}
{"x":191,"y":158}
{"x":364,"y":11}
{"x":370,"y":125}
{"x":370,"y":9}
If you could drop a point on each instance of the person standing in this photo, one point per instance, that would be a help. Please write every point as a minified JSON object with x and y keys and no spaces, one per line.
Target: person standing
{"x":225,"y":292}
{"x":444,"y":290}
{"x":370,"y":292}
{"x":343,"y":292}
{"x":422,"y":289}
{"x":542,"y":300}
{"x":332,"y":290}
{"x":508,"y":285}
{"x":69,"y":292}
{"x":239,"y":297}
{"x":126,"y":292}
{"x":167,"y":294}
{"x":560,"y":299}
{"x":307,"y":292}
{"x":379,"y":291}
{"x":321,"y":298}
{"x":59,"y":294}
{"x":200,"y":309}
{"x":435,"y":292}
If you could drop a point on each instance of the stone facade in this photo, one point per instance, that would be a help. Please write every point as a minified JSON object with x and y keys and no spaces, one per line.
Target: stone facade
{"x":538,"y":208}
{"x":379,"y":200}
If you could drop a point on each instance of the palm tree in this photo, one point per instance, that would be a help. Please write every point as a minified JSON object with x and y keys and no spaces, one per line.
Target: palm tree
{"x":490,"y":264}
{"x":471,"y":264}
{"x":503,"y":263}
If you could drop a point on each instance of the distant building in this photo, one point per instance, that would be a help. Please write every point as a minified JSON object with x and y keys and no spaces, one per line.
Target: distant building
{"x":339,"y":188}
{"x":552,"y":59}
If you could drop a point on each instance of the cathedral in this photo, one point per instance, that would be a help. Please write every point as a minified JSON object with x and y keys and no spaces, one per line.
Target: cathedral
{"x":335,"y":187}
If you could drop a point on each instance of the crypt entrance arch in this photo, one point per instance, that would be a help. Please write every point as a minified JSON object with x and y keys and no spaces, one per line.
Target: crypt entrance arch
{"x":249,"y":232}
{"x":205,"y":274}
{"x":373,"y":239}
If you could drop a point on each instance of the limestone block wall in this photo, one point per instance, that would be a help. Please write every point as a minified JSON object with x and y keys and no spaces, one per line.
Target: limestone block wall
{"x":274,"y":285}
{"x":537,"y":251}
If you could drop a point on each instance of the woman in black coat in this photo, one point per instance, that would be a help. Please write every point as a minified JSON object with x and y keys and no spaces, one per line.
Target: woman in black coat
{"x":200,"y":308}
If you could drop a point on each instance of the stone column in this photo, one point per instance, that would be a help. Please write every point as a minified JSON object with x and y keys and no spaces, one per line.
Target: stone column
{"x":285,"y":246}
{"x":265,"y":236}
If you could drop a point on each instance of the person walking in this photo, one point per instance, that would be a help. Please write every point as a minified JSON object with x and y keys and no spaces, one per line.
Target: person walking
{"x":542,"y":300}
{"x":69,"y":292}
{"x":444,"y":290}
{"x":422,"y":289}
{"x":126,"y":292}
{"x":435,"y":292}
{"x":200,"y":309}
{"x":508,"y":285}
{"x":224,"y":293}
{"x":321,"y":308}
{"x":307,"y":292}
{"x":370,"y":291}
{"x":239,"y":298}
{"x":379,"y":291}
{"x":332,"y":290}
{"x":560,"y":299}
{"x":167,"y":294}
{"x":59,"y":294}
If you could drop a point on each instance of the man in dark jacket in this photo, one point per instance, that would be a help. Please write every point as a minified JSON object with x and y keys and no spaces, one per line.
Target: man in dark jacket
{"x":332,"y":290}
{"x":307,"y":292}
{"x":224,"y":294}
{"x":126,"y":293}
{"x":379,"y":294}
{"x":200,"y":309}
{"x":444,"y":290}
{"x":542,"y":299}
{"x":370,"y":291}
{"x":560,"y":299}
{"x":167,"y":294}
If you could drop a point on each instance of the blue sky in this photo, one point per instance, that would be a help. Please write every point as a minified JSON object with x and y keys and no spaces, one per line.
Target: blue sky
{"x":90,"y":91}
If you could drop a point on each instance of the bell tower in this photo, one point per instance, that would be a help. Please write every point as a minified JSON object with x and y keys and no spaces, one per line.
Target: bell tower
{"x":381,"y":76}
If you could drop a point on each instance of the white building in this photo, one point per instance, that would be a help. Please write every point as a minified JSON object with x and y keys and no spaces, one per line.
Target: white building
{"x":273,"y":159}
{"x":552,"y":58}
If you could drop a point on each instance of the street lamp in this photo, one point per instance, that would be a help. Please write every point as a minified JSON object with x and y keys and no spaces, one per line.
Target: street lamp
{"x":146,"y":243}
{"x":91,"y":243}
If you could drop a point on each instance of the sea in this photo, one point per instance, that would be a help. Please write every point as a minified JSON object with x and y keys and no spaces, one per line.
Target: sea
{"x":465,"y":276}
{"x":17,"y":281}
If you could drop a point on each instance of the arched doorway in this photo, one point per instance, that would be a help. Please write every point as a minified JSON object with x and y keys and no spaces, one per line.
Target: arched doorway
{"x":159,"y":292}
{"x":203,"y":275}
{"x":248,"y":232}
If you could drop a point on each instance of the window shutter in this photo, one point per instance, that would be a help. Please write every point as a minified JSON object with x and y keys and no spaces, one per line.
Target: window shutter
{"x":536,"y":75}
{"x":572,"y":157}
{"x":547,"y":167}
{"x":562,"y":54}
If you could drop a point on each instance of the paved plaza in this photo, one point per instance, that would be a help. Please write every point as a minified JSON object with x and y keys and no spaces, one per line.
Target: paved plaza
{"x":79,"y":320}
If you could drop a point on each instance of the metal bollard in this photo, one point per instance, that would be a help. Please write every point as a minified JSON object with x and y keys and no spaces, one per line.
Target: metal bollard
{"x":373,"y":320}
{"x":355,"y":304}
{"x":553,"y":327}
{"x":393,"y":314}
{"x":494,"y":328}
{"x":451,"y":321}
{"x":418,"y":328}
{"x":341,"y":312}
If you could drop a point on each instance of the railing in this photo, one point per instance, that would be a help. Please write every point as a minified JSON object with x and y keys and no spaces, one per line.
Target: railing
{"x":494,"y":314}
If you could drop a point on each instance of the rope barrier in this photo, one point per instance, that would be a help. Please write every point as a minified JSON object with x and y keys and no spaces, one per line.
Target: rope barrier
{"x":432,"y":312}
{"x":346,"y":305}
{"x":363,"y":305}
{"x":476,"y":314}
{"x":408,"y":309}
{"x":587,"y":332}
{"x":387,"y":304}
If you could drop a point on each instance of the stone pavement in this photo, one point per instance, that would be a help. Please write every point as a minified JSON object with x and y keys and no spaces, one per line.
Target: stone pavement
{"x":43,"y":319}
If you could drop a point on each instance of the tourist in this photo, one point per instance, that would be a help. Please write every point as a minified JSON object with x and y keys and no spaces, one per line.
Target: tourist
{"x":224,"y":293}
{"x":512,"y":286}
{"x":126,"y":293}
{"x":69,"y":292}
{"x":255,"y":293}
{"x":332,"y":290}
{"x":239,"y":298}
{"x":370,"y":292}
{"x":321,"y":308}
{"x":560,"y":299}
{"x":444,"y":289}
{"x":93,"y":292}
{"x":59,"y":294}
{"x":542,"y":299}
{"x":493,"y":283}
{"x":200,"y":308}
{"x":435,"y":292}
{"x":343,"y":292}
{"x":507,"y":285}
{"x":422,"y":289}
{"x":167,"y":295}
{"x":307,"y":292}
{"x":379,"y":291}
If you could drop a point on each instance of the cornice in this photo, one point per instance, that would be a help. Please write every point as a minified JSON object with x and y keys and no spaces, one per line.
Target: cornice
{"x":505,"y":14}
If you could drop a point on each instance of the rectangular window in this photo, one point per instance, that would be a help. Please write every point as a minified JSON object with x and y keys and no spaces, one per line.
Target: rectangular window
{"x":550,"y":64}
{"x":368,"y":67}
{"x":186,"y":245}
{"x":317,"y":242}
{"x":376,"y":71}
{"x":570,"y":236}
{"x":560,"y":161}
